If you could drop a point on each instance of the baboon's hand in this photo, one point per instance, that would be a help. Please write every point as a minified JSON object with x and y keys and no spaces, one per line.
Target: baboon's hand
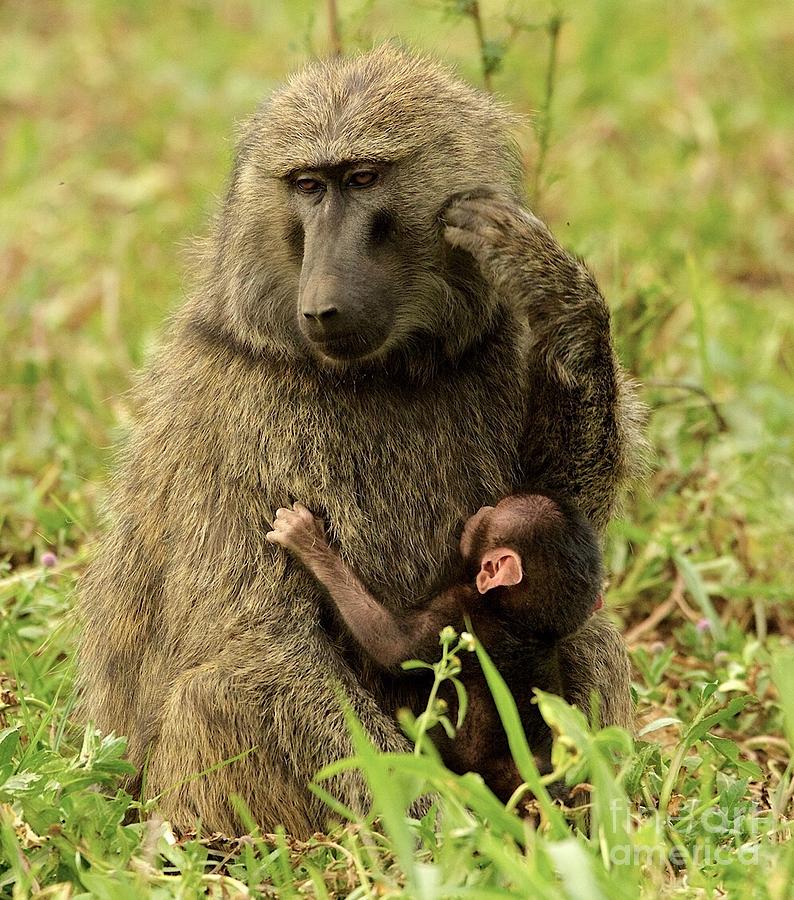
{"x":492,"y":227}
{"x":298,"y":530}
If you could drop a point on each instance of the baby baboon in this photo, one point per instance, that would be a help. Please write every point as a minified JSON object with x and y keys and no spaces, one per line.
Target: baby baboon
{"x":531,"y":574}
{"x":391,"y":351}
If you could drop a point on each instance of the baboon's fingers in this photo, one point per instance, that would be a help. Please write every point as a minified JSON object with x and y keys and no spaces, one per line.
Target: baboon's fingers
{"x":497,"y":212}
{"x":469,"y":217}
{"x":303,"y":512}
{"x":465,"y":240}
{"x":283,"y":523}
{"x":474,"y":193}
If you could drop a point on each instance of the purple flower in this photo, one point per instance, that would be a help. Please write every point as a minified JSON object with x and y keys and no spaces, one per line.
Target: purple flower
{"x":703,"y":625}
{"x":48,"y":559}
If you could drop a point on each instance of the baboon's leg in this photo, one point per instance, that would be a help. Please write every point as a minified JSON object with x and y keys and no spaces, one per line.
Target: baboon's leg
{"x":291,"y":720}
{"x":594,"y":659}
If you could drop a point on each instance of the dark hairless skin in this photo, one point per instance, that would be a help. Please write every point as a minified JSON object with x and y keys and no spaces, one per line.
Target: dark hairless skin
{"x":531,"y":575}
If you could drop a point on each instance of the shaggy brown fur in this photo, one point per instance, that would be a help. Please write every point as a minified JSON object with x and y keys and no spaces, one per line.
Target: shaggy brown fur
{"x":202,"y":641}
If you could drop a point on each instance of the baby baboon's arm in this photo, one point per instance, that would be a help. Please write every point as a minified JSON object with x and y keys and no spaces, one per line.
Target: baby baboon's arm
{"x":387,"y":638}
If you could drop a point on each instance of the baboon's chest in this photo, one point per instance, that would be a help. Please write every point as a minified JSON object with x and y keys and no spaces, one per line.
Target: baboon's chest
{"x":395,"y":473}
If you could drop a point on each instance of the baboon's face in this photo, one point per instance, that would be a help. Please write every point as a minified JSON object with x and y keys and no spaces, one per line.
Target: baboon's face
{"x":330,"y":242}
{"x":350,"y":257}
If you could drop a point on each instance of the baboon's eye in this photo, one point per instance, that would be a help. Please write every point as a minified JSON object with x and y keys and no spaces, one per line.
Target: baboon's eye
{"x":362,"y":179}
{"x":308,"y":185}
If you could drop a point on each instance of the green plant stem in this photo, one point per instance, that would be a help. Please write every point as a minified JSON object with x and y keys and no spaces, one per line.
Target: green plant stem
{"x":473,"y":11}
{"x":438,"y":677}
{"x":544,"y":131}
{"x":334,"y":32}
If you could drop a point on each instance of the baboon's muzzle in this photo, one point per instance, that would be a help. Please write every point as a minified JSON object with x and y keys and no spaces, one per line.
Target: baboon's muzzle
{"x":343,"y":305}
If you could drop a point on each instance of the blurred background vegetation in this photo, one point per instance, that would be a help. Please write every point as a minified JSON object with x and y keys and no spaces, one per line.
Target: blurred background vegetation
{"x":657,"y":139}
{"x":667,"y":166}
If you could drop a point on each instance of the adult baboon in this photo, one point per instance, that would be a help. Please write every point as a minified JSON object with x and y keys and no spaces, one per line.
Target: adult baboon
{"x":383,"y":332}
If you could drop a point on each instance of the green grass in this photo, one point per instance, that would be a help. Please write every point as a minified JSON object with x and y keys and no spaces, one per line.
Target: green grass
{"x":668,"y":167}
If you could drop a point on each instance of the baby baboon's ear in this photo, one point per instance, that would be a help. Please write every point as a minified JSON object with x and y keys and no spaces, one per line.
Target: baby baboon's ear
{"x":499,"y":568}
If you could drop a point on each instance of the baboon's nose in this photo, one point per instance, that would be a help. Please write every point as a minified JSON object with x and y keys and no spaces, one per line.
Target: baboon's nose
{"x":322,"y":315}
{"x":321,"y":323}
{"x":322,"y":318}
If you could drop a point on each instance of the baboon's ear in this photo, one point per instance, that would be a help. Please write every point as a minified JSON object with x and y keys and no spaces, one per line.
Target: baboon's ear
{"x":499,"y":568}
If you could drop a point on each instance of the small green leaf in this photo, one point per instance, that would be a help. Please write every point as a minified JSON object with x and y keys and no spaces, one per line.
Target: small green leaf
{"x":463,"y":700}
{"x":444,"y":722}
{"x":20,"y":784}
{"x":664,"y":722}
{"x":733,"y":708}
{"x":410,"y":664}
{"x":730,"y":751}
{"x":9,"y":741}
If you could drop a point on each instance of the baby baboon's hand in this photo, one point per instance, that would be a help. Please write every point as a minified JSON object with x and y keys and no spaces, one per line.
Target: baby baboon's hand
{"x":298,"y":530}
{"x":493,"y":228}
